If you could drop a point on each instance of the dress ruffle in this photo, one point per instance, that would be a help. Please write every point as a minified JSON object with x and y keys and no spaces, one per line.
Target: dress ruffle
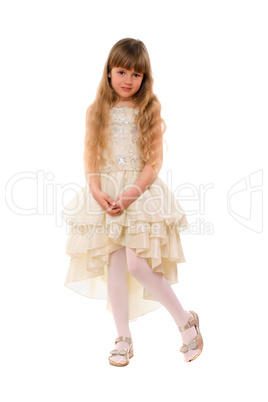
{"x":151,"y":224}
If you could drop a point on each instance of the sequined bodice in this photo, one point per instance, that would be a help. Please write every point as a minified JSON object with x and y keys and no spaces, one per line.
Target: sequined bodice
{"x":123,"y":138}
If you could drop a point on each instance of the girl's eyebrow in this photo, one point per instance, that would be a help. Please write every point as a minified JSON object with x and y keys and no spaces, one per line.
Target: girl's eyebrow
{"x":122,"y":68}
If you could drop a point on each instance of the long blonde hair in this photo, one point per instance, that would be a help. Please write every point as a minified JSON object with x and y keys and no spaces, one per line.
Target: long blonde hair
{"x":129,"y":54}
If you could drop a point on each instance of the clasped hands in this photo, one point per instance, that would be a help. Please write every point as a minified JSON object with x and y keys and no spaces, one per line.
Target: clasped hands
{"x":116,"y":206}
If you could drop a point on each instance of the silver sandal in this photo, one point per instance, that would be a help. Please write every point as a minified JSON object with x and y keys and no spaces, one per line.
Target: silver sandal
{"x":197,"y":342}
{"x":127,"y":353}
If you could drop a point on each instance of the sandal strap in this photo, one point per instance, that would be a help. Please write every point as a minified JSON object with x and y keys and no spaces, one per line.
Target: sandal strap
{"x":196,"y":343}
{"x":192,"y":321}
{"x":123,"y":339}
{"x":122,"y":352}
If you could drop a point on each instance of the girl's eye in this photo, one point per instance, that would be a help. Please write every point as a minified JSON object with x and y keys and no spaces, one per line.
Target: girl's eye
{"x":123,"y":72}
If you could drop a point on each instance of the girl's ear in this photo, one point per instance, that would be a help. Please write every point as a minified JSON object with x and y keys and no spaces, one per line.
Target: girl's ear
{"x":109,"y":75}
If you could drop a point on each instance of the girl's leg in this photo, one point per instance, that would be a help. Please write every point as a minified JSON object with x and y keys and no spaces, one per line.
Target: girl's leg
{"x":157,"y":285}
{"x":118,"y":296}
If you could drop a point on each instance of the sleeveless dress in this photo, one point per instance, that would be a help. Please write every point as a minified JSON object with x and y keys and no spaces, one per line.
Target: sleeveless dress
{"x":151,"y":224}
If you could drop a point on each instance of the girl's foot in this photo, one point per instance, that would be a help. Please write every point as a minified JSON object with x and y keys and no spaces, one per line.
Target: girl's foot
{"x":121,"y":344}
{"x":118,"y":358}
{"x":191,"y":337}
{"x":187,"y":336}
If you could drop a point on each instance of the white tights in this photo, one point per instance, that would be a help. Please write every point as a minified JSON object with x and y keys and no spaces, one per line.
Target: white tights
{"x":155,"y":283}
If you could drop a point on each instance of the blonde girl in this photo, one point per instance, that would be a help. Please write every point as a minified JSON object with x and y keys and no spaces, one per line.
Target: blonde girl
{"x":125,"y":223}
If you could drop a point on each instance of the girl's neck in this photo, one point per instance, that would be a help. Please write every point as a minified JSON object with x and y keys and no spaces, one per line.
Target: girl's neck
{"x":127,"y":103}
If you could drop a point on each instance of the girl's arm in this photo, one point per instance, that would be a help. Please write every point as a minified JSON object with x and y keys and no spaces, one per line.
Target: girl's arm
{"x":93,"y":180}
{"x":147,"y":176}
{"x":145,"y":179}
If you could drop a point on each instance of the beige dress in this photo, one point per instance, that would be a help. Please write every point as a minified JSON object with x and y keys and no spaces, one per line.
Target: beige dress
{"x":151,"y":224}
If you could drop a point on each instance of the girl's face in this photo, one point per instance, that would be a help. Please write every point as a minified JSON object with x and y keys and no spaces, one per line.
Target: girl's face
{"x":125,"y":82}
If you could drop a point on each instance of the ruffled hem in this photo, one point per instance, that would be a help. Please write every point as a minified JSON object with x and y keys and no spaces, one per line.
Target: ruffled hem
{"x":152,"y":225}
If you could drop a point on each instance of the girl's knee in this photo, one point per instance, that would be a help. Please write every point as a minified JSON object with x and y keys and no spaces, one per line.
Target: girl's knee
{"x":119,"y":254}
{"x":134,"y":269}
{"x":135,"y":263}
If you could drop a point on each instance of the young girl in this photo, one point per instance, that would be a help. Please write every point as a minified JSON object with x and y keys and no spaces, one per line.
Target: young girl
{"x":124,"y":239}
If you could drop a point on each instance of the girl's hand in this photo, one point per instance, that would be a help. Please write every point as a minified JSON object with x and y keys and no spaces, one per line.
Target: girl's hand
{"x":123,"y":201}
{"x":106,"y":202}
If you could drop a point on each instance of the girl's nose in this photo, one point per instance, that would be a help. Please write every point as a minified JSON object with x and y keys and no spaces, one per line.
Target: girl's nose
{"x":129,"y":79}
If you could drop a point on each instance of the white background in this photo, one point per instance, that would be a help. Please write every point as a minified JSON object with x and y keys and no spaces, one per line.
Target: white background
{"x":209,"y":60}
